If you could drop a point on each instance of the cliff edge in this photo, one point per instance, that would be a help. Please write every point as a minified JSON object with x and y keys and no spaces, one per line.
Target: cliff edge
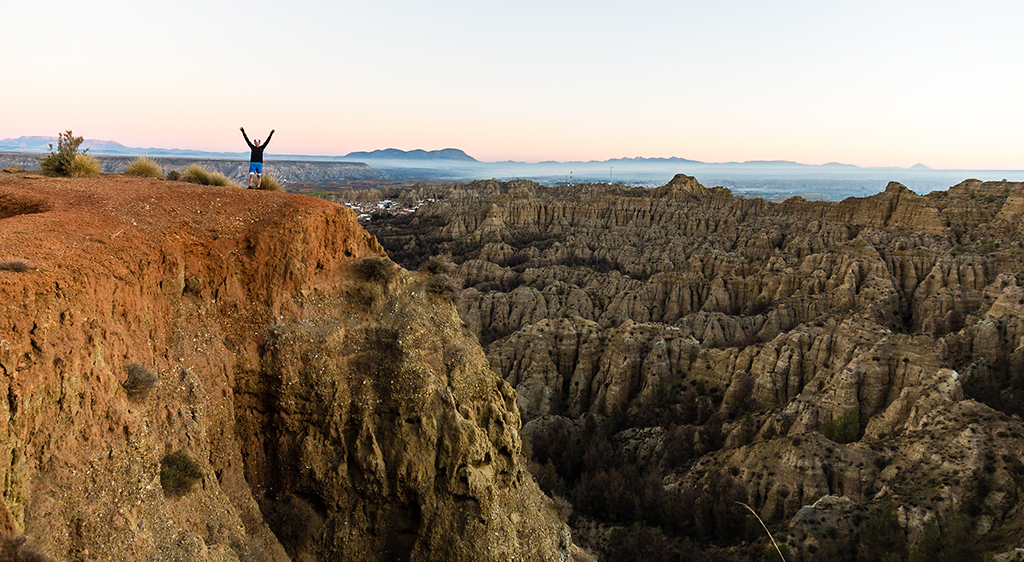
{"x":332,"y":402}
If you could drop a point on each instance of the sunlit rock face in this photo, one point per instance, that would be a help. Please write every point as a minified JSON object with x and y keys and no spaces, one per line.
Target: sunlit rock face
{"x":332,"y":405}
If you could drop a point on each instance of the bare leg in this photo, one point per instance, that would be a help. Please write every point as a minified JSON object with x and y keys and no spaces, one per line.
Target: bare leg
{"x":251,"y":174}
{"x":259,"y":179}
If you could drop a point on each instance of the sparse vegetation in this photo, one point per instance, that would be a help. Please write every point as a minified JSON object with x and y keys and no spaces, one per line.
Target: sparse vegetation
{"x":17,"y":266}
{"x":377,"y":270}
{"x":220,"y":180}
{"x":140,"y":382}
{"x":178,"y":473}
{"x":199,"y":175}
{"x":442,"y":285}
{"x":195,"y":174}
{"x":67,"y":160}
{"x":881,"y":535}
{"x":144,"y":167}
{"x":948,"y":540}
{"x":15,"y":548}
{"x":270,"y":183}
{"x":85,"y":166}
{"x":845,"y":428}
{"x":174,"y":175}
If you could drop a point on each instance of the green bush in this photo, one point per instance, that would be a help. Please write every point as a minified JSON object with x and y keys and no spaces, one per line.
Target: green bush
{"x":144,"y":167}
{"x":174,"y":175}
{"x":948,"y":540}
{"x":178,"y":472}
{"x":881,"y":535}
{"x":845,"y":428}
{"x":772,"y":555}
{"x":140,"y":382}
{"x":67,"y":160}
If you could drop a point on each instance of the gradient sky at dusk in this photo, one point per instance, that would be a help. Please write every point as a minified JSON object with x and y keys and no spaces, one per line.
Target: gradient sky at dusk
{"x":868,"y":83}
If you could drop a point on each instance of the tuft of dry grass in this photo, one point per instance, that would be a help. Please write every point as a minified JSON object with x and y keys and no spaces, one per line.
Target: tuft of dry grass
{"x":195,"y":174}
{"x":144,"y":167}
{"x":84,"y":166}
{"x":220,"y":180}
{"x":270,"y":183}
{"x":200,"y":175}
{"x":18,"y":266}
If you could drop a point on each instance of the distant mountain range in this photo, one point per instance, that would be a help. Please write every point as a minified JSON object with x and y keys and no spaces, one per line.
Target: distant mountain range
{"x":452,"y":154}
{"x":401,"y":158}
{"x":37,"y":144}
{"x":452,"y":164}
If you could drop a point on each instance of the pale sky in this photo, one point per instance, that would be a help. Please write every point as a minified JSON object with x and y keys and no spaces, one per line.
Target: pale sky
{"x":871,"y":83}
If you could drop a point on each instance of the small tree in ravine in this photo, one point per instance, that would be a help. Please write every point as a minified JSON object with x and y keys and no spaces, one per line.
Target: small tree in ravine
{"x":845,"y":428}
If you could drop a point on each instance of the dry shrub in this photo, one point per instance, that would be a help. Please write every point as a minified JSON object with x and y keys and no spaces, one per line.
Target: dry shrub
{"x":377,"y":270}
{"x":144,"y":167}
{"x":436,"y":266}
{"x":15,"y":548}
{"x":140,"y":382}
{"x":18,"y":266}
{"x":443,"y":286}
{"x":178,"y":472}
{"x":174,"y":175}
{"x":61,"y":161}
{"x":563,"y":507}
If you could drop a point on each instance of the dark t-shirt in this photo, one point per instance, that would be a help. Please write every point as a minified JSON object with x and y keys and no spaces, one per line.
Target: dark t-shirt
{"x":257,"y":151}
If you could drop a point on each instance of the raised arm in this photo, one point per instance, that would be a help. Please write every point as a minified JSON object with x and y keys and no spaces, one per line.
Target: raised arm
{"x":246,"y":138}
{"x":266,"y":142}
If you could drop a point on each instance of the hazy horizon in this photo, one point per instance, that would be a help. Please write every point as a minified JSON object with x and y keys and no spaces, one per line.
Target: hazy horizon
{"x":873,"y":85}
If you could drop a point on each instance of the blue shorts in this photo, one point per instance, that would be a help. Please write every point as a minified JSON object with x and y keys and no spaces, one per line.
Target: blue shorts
{"x":256,"y":168}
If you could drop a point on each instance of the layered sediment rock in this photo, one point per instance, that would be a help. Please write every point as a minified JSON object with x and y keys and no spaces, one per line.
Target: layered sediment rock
{"x":686,"y":311}
{"x":332,"y":403}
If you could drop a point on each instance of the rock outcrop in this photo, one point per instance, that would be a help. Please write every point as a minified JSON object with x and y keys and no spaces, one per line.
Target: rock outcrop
{"x":331,"y":401}
{"x":869,"y":351}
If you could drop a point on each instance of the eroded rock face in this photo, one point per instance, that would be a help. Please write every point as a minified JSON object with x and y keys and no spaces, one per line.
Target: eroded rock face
{"x":724,"y":338}
{"x":392,"y":429}
{"x":333,"y":415}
